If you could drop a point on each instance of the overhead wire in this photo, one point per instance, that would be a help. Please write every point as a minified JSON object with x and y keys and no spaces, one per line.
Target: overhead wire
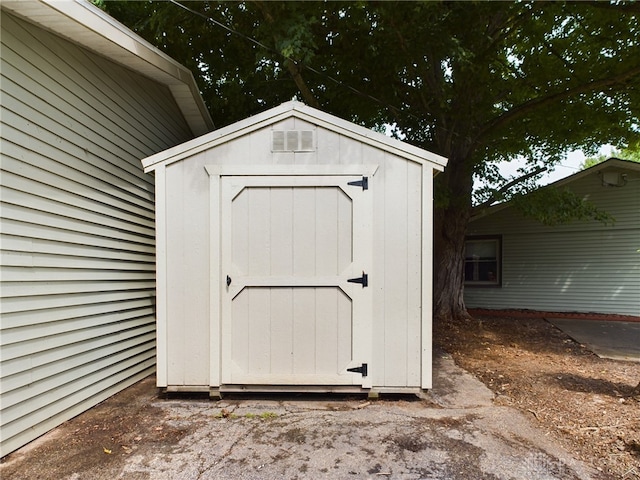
{"x":316,"y":71}
{"x":300,"y":64}
{"x":312,"y":69}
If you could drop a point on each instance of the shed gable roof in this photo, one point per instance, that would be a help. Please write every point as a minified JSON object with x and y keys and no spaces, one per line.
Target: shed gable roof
{"x":86,"y":25}
{"x":303,"y":112}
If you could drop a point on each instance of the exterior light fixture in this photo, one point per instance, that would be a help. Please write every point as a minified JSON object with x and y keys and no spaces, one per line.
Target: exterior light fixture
{"x":613,"y":179}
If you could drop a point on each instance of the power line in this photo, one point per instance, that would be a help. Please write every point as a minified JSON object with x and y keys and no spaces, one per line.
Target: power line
{"x":285,"y":57}
{"x":340,"y":83}
{"x":302,"y":65}
{"x":228,"y":29}
{"x":567,"y":166}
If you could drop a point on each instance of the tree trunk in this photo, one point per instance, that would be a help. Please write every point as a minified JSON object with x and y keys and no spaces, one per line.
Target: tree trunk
{"x":449,"y":232}
{"x":450,"y":227}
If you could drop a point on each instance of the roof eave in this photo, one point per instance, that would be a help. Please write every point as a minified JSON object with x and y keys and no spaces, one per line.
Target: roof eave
{"x":610,"y":162}
{"x":86,"y":25}
{"x":304,"y":112}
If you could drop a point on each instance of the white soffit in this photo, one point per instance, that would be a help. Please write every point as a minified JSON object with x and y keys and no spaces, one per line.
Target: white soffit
{"x":304,"y":112}
{"x":86,"y":25}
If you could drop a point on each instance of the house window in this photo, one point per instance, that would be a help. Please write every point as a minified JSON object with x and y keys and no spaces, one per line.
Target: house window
{"x":482,"y":261}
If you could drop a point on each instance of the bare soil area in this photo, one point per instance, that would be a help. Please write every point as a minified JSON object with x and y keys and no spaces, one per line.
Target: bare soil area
{"x":586,"y":403}
{"x":102,"y":436}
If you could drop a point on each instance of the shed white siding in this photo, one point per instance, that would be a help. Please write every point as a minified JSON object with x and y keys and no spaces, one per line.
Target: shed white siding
{"x":584,"y":266}
{"x":402,"y":193}
{"x":77,"y":227}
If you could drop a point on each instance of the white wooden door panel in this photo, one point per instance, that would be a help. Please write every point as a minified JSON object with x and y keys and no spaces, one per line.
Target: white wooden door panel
{"x":289,"y":245}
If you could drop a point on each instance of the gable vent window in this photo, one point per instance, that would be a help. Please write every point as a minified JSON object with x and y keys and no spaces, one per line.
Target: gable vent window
{"x":292,"y":141}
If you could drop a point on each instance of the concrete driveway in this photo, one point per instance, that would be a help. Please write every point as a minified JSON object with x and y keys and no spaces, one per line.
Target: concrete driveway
{"x":455,"y":432}
{"x":606,"y":338}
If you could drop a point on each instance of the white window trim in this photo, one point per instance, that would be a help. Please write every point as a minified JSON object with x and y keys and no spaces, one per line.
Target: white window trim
{"x":497,"y":239}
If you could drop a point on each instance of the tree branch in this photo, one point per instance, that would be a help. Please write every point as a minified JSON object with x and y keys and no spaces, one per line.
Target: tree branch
{"x":293,"y":66}
{"x":307,"y":94}
{"x":629,"y":7}
{"x":496,"y":195}
{"x":567,"y":65}
{"x":536,"y":103}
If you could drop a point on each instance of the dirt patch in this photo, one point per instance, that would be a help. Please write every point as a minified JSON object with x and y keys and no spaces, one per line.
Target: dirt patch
{"x":585,"y":402}
{"x":104,"y":435}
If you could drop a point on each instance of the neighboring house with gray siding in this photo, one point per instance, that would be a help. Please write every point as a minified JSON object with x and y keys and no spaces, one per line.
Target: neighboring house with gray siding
{"x":83,"y":101}
{"x":513,"y":262}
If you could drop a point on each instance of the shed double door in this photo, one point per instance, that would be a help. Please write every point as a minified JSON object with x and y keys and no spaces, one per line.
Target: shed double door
{"x":295,"y":300}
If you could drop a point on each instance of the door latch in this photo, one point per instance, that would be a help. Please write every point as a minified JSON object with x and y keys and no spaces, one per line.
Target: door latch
{"x":364,"y":280}
{"x":228,"y":280}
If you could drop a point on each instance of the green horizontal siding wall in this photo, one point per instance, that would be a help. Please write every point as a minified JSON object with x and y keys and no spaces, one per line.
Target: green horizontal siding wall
{"x":584,"y":266}
{"x":77,"y":229}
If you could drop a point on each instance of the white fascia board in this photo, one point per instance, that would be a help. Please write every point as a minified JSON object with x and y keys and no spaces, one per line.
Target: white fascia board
{"x":215,"y":138}
{"x":368,"y":136}
{"x":303,"y":112}
{"x":86,"y":25}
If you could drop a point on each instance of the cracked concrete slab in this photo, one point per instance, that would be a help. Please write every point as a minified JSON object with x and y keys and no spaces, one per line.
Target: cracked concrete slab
{"x":453,"y":432}
{"x":454,"y":387}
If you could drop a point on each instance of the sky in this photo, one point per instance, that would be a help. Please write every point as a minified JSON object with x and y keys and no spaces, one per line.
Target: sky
{"x":572,"y":164}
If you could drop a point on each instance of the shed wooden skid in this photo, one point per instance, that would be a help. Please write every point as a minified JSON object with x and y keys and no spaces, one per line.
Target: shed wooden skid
{"x":294,"y":253}
{"x":83,"y":100}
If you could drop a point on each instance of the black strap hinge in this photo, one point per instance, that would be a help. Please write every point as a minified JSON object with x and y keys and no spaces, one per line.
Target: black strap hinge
{"x":364,"y":183}
{"x":364,"y":280}
{"x":361,"y":369}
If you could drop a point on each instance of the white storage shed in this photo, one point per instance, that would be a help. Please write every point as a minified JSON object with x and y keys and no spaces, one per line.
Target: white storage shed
{"x":294,"y":253}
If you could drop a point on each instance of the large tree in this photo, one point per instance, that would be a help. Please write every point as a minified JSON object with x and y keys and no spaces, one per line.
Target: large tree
{"x":478,"y":83}
{"x":623,"y":154}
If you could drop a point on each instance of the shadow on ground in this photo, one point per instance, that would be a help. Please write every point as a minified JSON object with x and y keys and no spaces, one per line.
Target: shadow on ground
{"x":454,"y":432}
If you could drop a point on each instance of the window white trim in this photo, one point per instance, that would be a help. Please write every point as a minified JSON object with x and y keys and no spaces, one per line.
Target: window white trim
{"x":483,"y":269}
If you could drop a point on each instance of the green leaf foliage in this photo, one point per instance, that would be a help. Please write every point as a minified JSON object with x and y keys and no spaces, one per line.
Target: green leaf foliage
{"x":630,"y":154}
{"x":559,"y":206}
{"x":477,"y":82}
